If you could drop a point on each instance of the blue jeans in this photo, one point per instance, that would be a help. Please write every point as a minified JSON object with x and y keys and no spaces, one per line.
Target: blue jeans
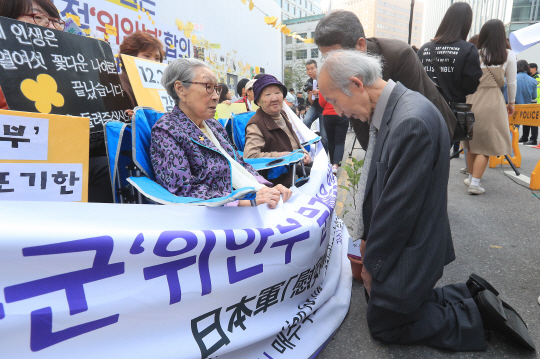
{"x":310,"y":117}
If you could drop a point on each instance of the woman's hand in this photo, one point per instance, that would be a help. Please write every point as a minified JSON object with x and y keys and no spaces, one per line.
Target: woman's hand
{"x":510,"y":109}
{"x":227,"y":102}
{"x":268,"y":195}
{"x":285,"y":192}
{"x":281,"y":154}
{"x":307,"y":159}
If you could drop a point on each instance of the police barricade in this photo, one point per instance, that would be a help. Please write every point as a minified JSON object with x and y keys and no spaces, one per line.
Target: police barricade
{"x":527,"y":115}
{"x":140,"y":281}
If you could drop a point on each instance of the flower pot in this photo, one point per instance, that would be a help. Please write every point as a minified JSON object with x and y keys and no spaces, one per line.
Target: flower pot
{"x":356,"y":267}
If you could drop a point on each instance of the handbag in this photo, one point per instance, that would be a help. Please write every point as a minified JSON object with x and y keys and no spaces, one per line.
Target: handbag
{"x":462,"y":111}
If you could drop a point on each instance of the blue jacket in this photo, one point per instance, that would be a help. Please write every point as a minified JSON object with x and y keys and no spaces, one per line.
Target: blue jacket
{"x":526,"y":89}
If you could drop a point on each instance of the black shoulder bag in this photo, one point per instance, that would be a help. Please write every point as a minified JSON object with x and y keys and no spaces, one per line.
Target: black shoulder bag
{"x":462,"y":111}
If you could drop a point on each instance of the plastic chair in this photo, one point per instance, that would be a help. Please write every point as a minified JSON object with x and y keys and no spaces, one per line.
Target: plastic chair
{"x":138,"y":175}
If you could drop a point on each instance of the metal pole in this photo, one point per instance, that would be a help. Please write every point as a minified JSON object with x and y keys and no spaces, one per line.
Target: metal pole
{"x":411,"y":21}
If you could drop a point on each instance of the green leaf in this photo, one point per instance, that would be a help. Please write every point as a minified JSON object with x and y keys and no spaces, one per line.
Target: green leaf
{"x":345,"y":188}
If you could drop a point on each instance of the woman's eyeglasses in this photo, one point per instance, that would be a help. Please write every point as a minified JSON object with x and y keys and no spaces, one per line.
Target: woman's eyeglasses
{"x":42,"y":20}
{"x":210,"y":87}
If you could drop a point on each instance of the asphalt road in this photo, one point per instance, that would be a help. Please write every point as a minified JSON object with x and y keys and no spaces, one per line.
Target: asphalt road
{"x":496,"y":235}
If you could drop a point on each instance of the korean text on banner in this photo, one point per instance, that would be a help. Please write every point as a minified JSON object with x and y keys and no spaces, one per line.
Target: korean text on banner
{"x":49,"y":71}
{"x":193,"y":282}
{"x":43,"y":157}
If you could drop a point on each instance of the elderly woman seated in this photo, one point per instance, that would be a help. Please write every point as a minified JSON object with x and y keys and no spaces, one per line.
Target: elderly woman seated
{"x":190,"y":151}
{"x":269,"y":132}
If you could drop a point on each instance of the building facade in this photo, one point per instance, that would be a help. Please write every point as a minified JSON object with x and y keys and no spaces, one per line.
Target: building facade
{"x":296,"y":53}
{"x":386,"y":18}
{"x":524,"y":13}
{"x":291,"y":9}
{"x":482,"y":12}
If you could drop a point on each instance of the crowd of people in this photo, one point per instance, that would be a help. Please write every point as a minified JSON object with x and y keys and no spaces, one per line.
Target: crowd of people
{"x":402,"y":113}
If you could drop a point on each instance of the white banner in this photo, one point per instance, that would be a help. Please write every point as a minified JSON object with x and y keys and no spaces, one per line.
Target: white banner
{"x":82,"y":280}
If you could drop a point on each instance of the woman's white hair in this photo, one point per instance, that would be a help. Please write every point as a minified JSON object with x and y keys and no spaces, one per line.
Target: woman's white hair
{"x":180,"y":70}
{"x":341,"y":65}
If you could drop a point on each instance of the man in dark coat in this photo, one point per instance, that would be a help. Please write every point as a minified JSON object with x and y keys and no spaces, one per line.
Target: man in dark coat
{"x":342,"y":30}
{"x":405,"y":231}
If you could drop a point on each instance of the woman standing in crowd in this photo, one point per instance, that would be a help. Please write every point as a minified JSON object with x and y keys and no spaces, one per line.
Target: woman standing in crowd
{"x":142,"y":45}
{"x":450,"y":61}
{"x":39,"y":12}
{"x":491,"y":135}
{"x":336,"y":130}
{"x":190,"y":152}
{"x":225,"y":95}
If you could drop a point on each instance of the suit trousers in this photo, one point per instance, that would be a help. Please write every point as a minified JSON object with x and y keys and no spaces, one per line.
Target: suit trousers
{"x":449,"y":319}
{"x":530,"y":129}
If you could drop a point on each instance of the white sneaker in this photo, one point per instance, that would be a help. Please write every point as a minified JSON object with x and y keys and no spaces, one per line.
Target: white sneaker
{"x":467,"y":182}
{"x":476,"y":190}
{"x":464,"y":170}
{"x":334,"y":169}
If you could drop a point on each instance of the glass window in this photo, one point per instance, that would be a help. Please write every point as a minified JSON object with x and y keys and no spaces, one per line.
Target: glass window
{"x":288,"y":55}
{"x":301,"y":54}
{"x":288,"y":40}
{"x":313,"y":34}
{"x":293,"y":9}
{"x":310,"y":7}
{"x":314,"y":53}
{"x":304,"y":35}
{"x":286,"y":6}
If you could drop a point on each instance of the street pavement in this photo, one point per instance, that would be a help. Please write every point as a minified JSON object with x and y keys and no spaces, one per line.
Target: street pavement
{"x":496,"y":235}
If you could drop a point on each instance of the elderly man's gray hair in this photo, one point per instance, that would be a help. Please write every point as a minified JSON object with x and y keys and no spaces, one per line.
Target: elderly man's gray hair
{"x":180,"y":70}
{"x":341,"y":65}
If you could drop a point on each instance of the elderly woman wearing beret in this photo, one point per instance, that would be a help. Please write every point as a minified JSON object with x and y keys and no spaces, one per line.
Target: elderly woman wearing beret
{"x":190,"y":151}
{"x":269,"y":132}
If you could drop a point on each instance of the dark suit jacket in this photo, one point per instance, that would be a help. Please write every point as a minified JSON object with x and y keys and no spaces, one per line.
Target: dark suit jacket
{"x":405,"y":206}
{"x":400,"y":63}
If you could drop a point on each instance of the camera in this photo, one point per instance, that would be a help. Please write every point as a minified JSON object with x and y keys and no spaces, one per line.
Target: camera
{"x":308,"y":86}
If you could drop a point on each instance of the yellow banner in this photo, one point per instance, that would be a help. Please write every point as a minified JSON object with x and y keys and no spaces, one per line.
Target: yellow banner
{"x":224,"y":111}
{"x":48,"y":155}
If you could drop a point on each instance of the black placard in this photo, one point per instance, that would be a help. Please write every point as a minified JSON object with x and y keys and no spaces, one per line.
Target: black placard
{"x":83,"y":68}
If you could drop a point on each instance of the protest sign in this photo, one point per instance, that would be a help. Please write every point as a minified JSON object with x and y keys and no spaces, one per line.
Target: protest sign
{"x":43,"y":157}
{"x":174,"y":282}
{"x":145,"y":78}
{"x":50,"y":71}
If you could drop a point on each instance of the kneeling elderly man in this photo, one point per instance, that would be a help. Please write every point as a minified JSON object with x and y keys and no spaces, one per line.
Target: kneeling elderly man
{"x":405,"y":231}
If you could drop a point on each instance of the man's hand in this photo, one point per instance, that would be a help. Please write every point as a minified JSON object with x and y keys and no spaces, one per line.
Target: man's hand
{"x":314,"y":92}
{"x":366,"y":277}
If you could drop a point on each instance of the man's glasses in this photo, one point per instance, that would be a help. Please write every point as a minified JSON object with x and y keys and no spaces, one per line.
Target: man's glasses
{"x":210,"y":87}
{"x":42,"y":20}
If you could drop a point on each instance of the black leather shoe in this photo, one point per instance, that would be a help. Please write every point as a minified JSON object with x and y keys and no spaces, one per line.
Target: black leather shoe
{"x":523,"y":140}
{"x":531,"y":143}
{"x":476,"y":284}
{"x":505,"y":321}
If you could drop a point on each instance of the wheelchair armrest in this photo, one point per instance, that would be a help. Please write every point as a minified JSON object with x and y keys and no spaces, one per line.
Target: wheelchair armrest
{"x":268,"y":162}
{"x":157,"y":194}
